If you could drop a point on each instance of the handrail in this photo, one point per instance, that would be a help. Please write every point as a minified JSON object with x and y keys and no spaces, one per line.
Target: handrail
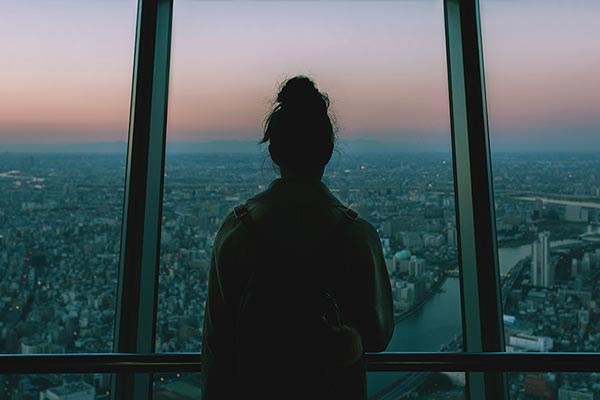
{"x":376,"y":362}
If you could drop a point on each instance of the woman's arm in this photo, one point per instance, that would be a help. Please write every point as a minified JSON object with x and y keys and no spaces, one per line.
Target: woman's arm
{"x":375,"y":293}
{"x":216,"y":342}
{"x":218,"y":338}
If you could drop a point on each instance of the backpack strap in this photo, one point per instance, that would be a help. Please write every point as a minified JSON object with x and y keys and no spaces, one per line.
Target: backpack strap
{"x":348,"y":212}
{"x":242,"y":213}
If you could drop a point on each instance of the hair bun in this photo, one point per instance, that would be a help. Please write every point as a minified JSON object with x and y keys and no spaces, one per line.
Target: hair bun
{"x":299,"y":130}
{"x":300,"y":91}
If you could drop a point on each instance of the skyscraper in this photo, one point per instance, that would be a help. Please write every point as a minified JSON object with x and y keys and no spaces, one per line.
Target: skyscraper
{"x":415,"y":266}
{"x":70,"y":391}
{"x":542,"y":268}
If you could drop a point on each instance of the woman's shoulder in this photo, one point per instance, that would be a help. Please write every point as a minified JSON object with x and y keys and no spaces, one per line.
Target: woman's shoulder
{"x":361,"y":233}
{"x":350,"y":230}
{"x":231,"y":233}
{"x":240,"y":224}
{"x":245,"y":223}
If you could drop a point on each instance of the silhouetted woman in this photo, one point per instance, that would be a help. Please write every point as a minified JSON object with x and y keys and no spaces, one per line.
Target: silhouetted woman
{"x":298,"y":287}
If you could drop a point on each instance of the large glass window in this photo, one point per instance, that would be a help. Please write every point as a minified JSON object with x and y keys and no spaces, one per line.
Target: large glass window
{"x":543,"y":86}
{"x":383,"y":65}
{"x":63,"y":129}
{"x":66,"y":84}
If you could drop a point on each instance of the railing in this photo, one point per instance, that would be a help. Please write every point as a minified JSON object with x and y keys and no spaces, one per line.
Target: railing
{"x":191,"y":362}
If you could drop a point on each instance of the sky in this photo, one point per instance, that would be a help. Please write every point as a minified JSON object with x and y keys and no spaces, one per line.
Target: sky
{"x":67,"y":68}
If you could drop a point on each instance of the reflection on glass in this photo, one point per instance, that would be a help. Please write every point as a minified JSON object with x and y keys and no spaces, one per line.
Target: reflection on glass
{"x":66,"y":81}
{"x":422,"y":385}
{"x":381,"y":386}
{"x":176,"y":386}
{"x":56,"y":387}
{"x":554,"y":385}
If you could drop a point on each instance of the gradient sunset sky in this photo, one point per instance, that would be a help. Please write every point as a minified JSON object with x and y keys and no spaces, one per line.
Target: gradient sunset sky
{"x":67,"y":68}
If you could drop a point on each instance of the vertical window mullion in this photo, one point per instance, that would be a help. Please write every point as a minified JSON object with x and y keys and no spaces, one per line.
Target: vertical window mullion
{"x":138,"y":273}
{"x":480,"y":278}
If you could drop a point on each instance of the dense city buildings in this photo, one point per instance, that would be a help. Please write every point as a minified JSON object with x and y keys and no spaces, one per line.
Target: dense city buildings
{"x":60,"y":225}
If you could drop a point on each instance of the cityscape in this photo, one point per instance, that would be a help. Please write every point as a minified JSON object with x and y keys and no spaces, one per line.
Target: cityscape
{"x":60,"y":225}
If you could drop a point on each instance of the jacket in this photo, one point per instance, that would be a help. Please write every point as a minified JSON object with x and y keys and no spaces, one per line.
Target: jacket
{"x":296,"y":217}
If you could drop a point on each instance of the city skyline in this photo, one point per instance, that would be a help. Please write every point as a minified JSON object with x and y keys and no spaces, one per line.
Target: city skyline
{"x":343,"y":147}
{"x":59,"y":256}
{"x":382,"y":63}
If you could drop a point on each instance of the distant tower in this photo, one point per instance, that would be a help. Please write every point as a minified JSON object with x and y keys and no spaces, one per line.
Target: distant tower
{"x":415,"y":266}
{"x":451,"y":235}
{"x":542,"y":269}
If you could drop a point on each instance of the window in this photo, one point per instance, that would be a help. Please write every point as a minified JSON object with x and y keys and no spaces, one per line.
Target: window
{"x":394,"y":164}
{"x":542,"y":84}
{"x":63,"y":128}
{"x":64,"y":109}
{"x":202,"y":178}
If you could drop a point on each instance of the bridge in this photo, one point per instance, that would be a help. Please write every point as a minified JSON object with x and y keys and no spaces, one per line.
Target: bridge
{"x":584,"y":204}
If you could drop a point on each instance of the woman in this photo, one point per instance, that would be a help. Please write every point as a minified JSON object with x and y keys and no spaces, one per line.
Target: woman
{"x":298,"y":287}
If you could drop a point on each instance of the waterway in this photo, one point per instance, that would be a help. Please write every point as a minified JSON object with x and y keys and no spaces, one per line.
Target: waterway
{"x":434,"y":325}
{"x":439,"y":320}
{"x":508,"y":257}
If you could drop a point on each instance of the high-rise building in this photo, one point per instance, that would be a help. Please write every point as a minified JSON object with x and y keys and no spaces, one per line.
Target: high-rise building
{"x":574,"y":213}
{"x":70,"y":391}
{"x":538,"y":387}
{"x":416,"y":266}
{"x":524,"y":342}
{"x":542,"y":268}
{"x":451,"y":237}
{"x":570,"y":394}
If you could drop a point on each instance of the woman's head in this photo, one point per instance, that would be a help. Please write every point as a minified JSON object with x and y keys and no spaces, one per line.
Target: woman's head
{"x":299,"y":130}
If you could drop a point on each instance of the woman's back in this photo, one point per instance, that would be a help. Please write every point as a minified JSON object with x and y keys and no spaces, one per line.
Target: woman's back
{"x":277,"y":258}
{"x":294,"y":239}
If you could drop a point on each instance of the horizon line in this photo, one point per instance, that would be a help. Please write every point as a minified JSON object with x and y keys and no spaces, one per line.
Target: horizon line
{"x":245,"y":146}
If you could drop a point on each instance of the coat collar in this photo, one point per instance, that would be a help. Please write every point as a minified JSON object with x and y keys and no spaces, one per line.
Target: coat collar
{"x":296,"y":191}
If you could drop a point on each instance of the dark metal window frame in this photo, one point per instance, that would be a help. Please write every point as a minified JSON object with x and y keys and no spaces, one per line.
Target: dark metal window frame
{"x":483,"y":329}
{"x":134,"y":360}
{"x":137,"y":293}
{"x":135,"y":363}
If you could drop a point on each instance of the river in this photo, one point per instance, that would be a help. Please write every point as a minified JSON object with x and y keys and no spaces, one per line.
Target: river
{"x":509,"y":256}
{"x":439,"y":320}
{"x":433,"y":325}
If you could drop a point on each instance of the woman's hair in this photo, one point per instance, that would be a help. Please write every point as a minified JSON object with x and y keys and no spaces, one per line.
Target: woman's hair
{"x":299,"y":129}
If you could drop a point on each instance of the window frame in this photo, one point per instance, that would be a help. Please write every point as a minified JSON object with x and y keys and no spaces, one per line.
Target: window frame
{"x":478,"y":260}
{"x":483,"y":329}
{"x":137,"y":292}
{"x":483,"y":358}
